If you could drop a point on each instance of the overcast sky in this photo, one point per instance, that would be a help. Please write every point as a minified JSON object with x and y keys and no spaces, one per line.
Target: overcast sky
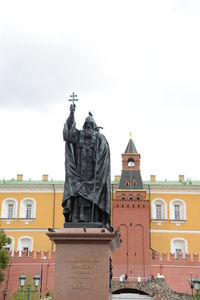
{"x":134,"y":64}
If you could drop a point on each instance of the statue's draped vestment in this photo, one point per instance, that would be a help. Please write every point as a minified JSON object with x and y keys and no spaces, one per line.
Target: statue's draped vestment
{"x":87,"y":173}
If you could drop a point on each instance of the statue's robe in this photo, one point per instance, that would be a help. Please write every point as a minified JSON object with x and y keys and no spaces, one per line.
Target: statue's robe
{"x":87,"y":168}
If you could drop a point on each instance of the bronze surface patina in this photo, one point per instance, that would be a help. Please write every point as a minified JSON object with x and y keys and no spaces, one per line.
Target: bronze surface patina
{"x":86,"y":199}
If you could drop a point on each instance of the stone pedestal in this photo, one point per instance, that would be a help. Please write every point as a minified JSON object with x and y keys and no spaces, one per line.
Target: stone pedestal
{"x":82,"y":263}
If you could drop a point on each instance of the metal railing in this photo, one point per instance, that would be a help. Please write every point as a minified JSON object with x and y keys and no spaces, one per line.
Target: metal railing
{"x":177,"y":220}
{"x":15,"y":219}
{"x":159,"y":220}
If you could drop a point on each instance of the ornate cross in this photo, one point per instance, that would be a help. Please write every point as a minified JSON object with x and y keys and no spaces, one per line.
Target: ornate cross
{"x":73,"y":96}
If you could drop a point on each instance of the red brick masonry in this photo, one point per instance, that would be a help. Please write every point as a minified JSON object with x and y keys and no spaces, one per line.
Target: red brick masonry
{"x":176,"y":271}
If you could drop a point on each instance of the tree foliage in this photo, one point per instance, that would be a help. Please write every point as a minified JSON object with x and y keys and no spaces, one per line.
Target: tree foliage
{"x":21,"y":294}
{"x":4,"y":255}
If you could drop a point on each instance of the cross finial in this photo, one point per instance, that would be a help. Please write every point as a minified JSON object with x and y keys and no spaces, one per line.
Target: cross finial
{"x":130,"y":135}
{"x":74,"y":98}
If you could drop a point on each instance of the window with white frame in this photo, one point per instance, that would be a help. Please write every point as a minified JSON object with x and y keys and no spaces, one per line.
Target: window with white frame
{"x":177,"y":210}
{"x":177,"y":214}
{"x":25,"y":244}
{"x":178,"y":246}
{"x":27,"y":209}
{"x":9,"y":208}
{"x":159,"y":209}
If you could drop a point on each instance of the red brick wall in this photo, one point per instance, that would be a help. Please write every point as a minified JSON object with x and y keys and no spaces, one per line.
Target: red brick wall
{"x":132,"y":216}
{"x":175,"y":271}
{"x":133,"y":257}
{"x":31,"y":265}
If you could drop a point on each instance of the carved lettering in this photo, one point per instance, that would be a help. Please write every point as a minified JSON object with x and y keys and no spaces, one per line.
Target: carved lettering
{"x":82,"y":270}
{"x":82,"y":266}
{"x":77,"y":271}
{"x":80,"y":286}
{"x":82,"y":260}
{"x":81,"y":276}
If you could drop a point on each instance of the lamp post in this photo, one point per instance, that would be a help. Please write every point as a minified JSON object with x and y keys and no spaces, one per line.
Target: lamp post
{"x":4,"y":293}
{"x":41,"y":275}
{"x":36,"y":280}
{"x":196,"y":282}
{"x":191,"y":282}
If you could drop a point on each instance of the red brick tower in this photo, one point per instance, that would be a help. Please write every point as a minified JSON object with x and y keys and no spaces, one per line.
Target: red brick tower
{"x":130,"y":212}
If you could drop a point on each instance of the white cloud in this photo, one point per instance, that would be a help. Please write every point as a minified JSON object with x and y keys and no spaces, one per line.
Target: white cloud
{"x":134,"y":64}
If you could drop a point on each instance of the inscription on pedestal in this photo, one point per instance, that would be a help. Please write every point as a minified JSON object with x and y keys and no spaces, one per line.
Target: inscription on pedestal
{"x":82,"y":272}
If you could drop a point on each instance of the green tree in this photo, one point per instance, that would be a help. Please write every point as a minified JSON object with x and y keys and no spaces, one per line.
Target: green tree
{"x":196,"y":298}
{"x":4,"y":255}
{"x":49,"y":295}
{"x":22,"y":294}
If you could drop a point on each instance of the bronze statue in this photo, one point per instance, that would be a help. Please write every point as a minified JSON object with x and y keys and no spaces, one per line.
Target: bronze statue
{"x":87,"y":172}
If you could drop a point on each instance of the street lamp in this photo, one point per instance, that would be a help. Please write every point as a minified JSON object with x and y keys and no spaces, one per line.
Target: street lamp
{"x":191,"y":282}
{"x":36,"y":280}
{"x":4,"y":293}
{"x":22,"y":280}
{"x":196,"y":282}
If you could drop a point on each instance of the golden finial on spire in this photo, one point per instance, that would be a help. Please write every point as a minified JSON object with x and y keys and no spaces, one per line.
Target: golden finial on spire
{"x":130,"y":135}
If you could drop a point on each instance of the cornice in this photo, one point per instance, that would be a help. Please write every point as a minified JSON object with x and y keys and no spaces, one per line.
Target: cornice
{"x":175,"y":191}
{"x":31,"y":189}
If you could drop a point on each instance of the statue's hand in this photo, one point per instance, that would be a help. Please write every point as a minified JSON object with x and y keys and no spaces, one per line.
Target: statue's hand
{"x":72,"y":107}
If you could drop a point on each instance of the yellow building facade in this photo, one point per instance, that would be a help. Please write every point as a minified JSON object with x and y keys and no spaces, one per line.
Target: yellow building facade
{"x":175,"y":221}
{"x":30,"y":208}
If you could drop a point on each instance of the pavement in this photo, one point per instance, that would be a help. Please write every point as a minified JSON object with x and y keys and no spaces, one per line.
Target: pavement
{"x":130,"y":297}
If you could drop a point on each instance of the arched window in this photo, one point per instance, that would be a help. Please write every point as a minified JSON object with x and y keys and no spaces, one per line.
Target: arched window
{"x":138,"y":197}
{"x":9,"y":208}
{"x":159,"y":209}
{"x":123,"y":197}
{"x":25,"y":243}
{"x":134,"y":182}
{"x":27,"y":209}
{"x":179,"y":245}
{"x":126,"y":182}
{"x":177,"y":210}
{"x":130,"y":197}
{"x":131,"y":162}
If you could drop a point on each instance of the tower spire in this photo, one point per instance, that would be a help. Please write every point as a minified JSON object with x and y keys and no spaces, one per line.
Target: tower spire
{"x":130,"y":147}
{"x":131,"y":177}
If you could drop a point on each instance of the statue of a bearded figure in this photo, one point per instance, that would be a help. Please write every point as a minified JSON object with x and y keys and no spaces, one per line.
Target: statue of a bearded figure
{"x":87,"y":173}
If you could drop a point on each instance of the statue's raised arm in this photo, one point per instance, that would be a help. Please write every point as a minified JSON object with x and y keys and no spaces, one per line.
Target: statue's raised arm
{"x":70,"y":131}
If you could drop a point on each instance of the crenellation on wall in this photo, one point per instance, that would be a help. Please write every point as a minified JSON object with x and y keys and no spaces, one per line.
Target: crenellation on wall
{"x":188,"y":257}
{"x":29,"y":264}
{"x":196,"y":257}
{"x":180,"y":259}
{"x":155,"y":257}
{"x":164,"y":256}
{"x":158,"y":264}
{"x":32,"y":255}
